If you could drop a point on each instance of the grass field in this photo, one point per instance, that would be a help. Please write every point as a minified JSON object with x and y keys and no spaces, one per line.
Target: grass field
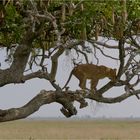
{"x":70,"y":130}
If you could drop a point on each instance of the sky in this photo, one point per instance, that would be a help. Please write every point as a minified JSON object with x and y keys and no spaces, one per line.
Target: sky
{"x":17,"y":95}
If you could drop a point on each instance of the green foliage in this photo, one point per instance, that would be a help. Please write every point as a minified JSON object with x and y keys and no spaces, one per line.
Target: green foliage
{"x":12,"y":29}
{"x":133,"y":8}
{"x":95,"y":14}
{"x":11,"y":12}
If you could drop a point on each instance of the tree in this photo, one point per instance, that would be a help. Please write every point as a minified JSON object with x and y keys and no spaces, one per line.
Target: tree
{"x":32,"y":32}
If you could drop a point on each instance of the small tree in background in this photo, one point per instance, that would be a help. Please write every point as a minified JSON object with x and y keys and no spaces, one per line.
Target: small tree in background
{"x":34,"y":31}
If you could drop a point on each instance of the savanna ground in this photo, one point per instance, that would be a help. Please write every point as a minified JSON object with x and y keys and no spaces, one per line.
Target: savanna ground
{"x":70,"y":130}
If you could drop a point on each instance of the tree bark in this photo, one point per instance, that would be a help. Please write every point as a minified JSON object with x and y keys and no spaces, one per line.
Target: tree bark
{"x":65,"y":98}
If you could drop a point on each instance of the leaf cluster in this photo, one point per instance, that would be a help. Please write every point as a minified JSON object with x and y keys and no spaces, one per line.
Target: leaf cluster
{"x":95,"y":14}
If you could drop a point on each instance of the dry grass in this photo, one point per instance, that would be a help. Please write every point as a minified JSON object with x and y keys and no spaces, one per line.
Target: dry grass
{"x":70,"y":130}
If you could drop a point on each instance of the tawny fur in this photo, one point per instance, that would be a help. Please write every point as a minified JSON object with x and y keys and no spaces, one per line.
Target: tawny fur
{"x":93,"y":72}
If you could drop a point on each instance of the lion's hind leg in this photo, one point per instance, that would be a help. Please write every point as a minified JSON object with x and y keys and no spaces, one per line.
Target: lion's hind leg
{"x":93,"y":85}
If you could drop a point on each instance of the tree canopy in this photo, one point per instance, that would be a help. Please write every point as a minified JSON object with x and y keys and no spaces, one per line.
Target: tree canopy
{"x":34,"y":31}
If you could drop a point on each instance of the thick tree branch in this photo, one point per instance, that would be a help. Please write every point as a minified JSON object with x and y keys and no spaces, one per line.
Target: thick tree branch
{"x":114,"y":99}
{"x":66,"y":99}
{"x":44,"y":97}
{"x":55,"y":63}
{"x":105,"y":88}
{"x":29,"y":108}
{"x":38,"y":74}
{"x":14,"y":74}
{"x":121,"y":57}
{"x":17,"y":67}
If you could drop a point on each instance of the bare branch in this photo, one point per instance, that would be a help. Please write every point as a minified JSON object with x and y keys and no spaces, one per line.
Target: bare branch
{"x":95,"y":55}
{"x":104,"y":44}
{"x":104,"y":53}
{"x":84,"y":54}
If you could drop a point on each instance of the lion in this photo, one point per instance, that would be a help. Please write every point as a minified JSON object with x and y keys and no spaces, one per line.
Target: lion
{"x":93,"y":72}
